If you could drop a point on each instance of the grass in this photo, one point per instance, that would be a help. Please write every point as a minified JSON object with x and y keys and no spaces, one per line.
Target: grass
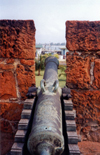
{"x":38,"y":78}
{"x":62,"y":78}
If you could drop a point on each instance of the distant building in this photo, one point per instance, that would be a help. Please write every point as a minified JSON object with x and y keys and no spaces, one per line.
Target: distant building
{"x":38,"y":50}
{"x":53,"y":49}
{"x":64,"y":51}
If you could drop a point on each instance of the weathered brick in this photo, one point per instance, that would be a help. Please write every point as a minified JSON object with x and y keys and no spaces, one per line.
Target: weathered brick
{"x":27,"y":62}
{"x":87,"y":105}
{"x":97,"y":73}
{"x":10,"y":111}
{"x":83,"y":35}
{"x":17,"y":39}
{"x":26,"y":78}
{"x":83,"y":75}
{"x":2,"y":60}
{"x":77,"y":71}
{"x":6,"y":66}
{"x":6,"y":139}
{"x":10,"y":114}
{"x":7,"y":85}
{"x":17,"y":42}
{"x":10,"y":61}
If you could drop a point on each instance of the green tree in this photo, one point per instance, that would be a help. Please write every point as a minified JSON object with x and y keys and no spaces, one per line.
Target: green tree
{"x":40,"y":62}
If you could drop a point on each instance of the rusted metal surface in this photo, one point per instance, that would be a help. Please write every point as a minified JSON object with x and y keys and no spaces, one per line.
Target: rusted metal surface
{"x":46,"y":136}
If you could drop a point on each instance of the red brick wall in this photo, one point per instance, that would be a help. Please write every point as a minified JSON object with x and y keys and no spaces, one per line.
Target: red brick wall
{"x":83,"y":35}
{"x":17,"y":70}
{"x":83,"y":75}
{"x":17,"y":53}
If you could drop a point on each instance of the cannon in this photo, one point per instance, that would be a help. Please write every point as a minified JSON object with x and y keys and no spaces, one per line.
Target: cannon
{"x":46,"y":137}
{"x":47,"y":125}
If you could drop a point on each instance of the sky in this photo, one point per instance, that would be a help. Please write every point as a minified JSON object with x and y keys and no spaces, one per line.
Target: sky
{"x":50,"y":15}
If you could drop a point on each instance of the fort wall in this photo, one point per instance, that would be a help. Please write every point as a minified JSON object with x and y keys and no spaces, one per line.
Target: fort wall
{"x":17,"y":72}
{"x":83,"y":75}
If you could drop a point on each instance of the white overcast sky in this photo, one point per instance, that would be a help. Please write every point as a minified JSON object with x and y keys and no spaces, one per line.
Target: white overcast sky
{"x":50,"y":15}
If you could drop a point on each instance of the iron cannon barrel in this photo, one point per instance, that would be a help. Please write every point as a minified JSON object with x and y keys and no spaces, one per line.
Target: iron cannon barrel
{"x":46,"y":136}
{"x":51,"y":66}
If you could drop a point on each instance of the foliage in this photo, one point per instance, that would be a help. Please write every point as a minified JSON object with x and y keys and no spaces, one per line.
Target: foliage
{"x":40,"y":62}
{"x":56,"y":55}
{"x":47,"y":55}
{"x":62,"y":69}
